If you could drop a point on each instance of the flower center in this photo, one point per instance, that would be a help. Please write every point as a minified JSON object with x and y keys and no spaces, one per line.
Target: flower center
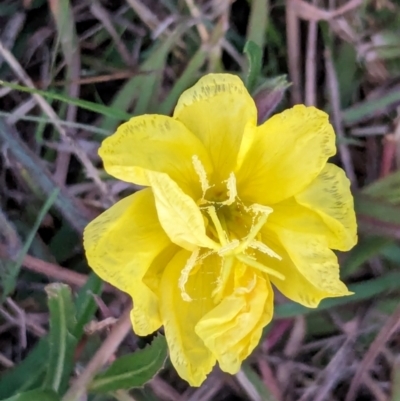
{"x":227,"y":223}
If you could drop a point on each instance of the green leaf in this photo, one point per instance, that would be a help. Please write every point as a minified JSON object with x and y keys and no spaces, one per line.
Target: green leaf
{"x":254,"y":57}
{"x":9,"y":280}
{"x":387,"y":188}
{"x":253,"y":385}
{"x":35,"y":395}
{"x":370,"y":108}
{"x":132,"y":370}
{"x":186,"y":79}
{"x":62,"y":340}
{"x":377,"y":216}
{"x":362,"y":291}
{"x":258,"y":20}
{"x":26,"y":374}
{"x":365,"y":249}
{"x":85,"y":303}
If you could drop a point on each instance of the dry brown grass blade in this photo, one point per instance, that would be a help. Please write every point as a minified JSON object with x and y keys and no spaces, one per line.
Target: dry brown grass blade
{"x":293,"y":47}
{"x":310,"y":95}
{"x":64,"y":18}
{"x":47,"y":109}
{"x":54,"y":271}
{"x":310,"y":12}
{"x":334,"y":99}
{"x":390,"y":327}
{"x":101,"y":357}
{"x":102,"y":15}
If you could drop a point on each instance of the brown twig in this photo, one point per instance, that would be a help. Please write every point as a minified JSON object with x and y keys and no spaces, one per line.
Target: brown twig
{"x":390,"y":327}
{"x":110,"y":345}
{"x":54,"y":271}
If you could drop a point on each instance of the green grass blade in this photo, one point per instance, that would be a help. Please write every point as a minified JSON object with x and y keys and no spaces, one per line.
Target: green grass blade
{"x":362,"y":291}
{"x":27,"y":373}
{"x":62,"y":341}
{"x":370,"y":108}
{"x":257,"y":28}
{"x":254,"y":57}
{"x":132,"y":370}
{"x":187,"y":78}
{"x":85,"y":303}
{"x":35,"y":395}
{"x":84,"y":104}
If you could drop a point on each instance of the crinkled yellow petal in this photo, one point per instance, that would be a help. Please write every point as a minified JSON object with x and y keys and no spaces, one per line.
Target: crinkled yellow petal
{"x":216,"y":109}
{"x":309,"y":266}
{"x":227,"y":330}
{"x":121,"y":244}
{"x":190,"y":357}
{"x":329,"y":196}
{"x":287,"y":153}
{"x":155,"y":143}
{"x":178,"y":213}
{"x":229,"y":361}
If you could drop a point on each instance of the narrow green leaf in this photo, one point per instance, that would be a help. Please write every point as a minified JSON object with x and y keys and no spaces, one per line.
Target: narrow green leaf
{"x":254,"y":57}
{"x":362,"y":291}
{"x":253,"y":385}
{"x":378,"y":217}
{"x":258,"y":20}
{"x":142,"y":87}
{"x":9,"y":280}
{"x":150,"y":83}
{"x":132,"y":370}
{"x":84,"y":104}
{"x":26,"y":374}
{"x":85,"y":303}
{"x":35,"y":395}
{"x":365,"y":249}
{"x":387,"y":188}
{"x":62,"y":341}
{"x":34,"y":168}
{"x":183,"y":82}
{"x":370,"y":108}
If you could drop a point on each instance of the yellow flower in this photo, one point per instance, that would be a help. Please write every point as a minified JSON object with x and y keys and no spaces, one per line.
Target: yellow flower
{"x":231,"y":208}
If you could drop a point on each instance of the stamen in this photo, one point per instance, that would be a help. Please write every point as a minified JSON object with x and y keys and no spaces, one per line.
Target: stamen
{"x":257,"y":265}
{"x":226,"y":269}
{"x":252,"y":234}
{"x":260,"y":246}
{"x":257,"y":208}
{"x":230,"y":246}
{"x":232,"y":191}
{"x":184,"y":277}
{"x":220,"y":231}
{"x":201,"y":172}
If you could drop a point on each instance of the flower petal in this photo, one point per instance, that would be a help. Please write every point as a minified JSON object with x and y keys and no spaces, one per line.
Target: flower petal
{"x":287,"y":152}
{"x":310,"y":268}
{"x":121,"y":244}
{"x":233,"y":328}
{"x":178,"y":213}
{"x":154,"y":143}
{"x":246,"y":346}
{"x":190,"y":357}
{"x":216,"y":109}
{"x":329,"y":196}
